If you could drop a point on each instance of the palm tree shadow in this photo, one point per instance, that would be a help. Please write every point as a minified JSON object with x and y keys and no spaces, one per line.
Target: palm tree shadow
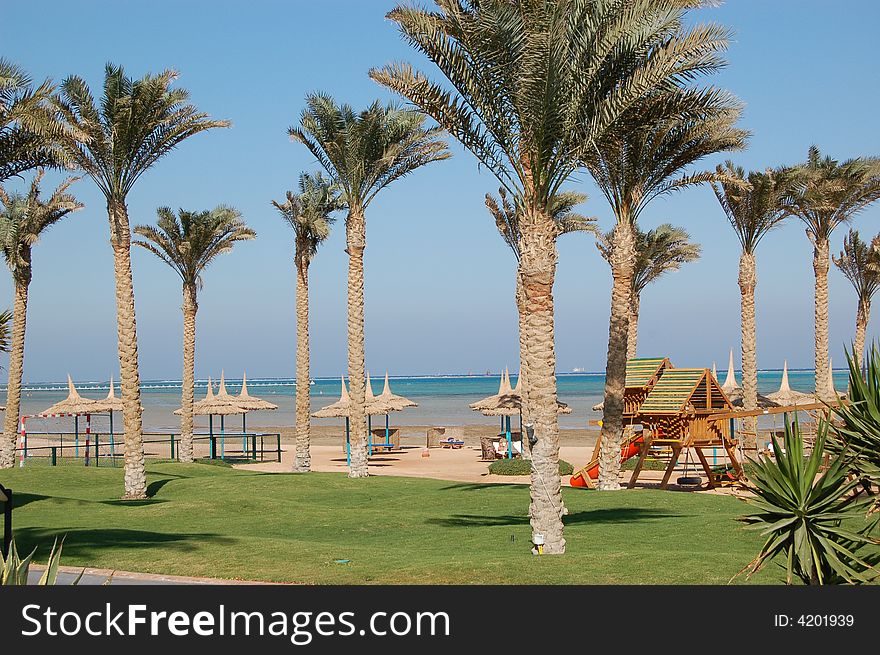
{"x":84,"y":542}
{"x":593,"y":517}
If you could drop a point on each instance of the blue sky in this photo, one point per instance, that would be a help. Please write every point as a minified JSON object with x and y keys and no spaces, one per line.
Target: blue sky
{"x":439,"y":280}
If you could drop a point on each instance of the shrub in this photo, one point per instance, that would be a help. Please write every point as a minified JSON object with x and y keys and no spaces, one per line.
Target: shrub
{"x":518,"y":466}
{"x":14,"y":570}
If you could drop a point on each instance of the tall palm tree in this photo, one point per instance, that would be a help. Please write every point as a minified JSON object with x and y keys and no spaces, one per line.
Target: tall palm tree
{"x":829,"y":193}
{"x":23,"y":219}
{"x":188,"y":242}
{"x":507,"y":220}
{"x":642,"y":158}
{"x":136,"y":123}
{"x":363,"y":152}
{"x":860,"y":263}
{"x":754,"y":205}
{"x":530,"y":88}
{"x":657,"y":252}
{"x":30,"y":132}
{"x":5,"y":323}
{"x":309,"y":214}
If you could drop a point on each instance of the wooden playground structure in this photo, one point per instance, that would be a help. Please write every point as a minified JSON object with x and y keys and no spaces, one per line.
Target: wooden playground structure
{"x":679,"y":410}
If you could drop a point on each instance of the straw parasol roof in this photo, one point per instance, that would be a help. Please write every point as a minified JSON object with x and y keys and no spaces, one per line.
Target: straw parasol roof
{"x":489,"y":401}
{"x":210,"y":405}
{"x":730,"y":382}
{"x":340,"y":409}
{"x":109,"y":404}
{"x":73,"y":404}
{"x":736,"y":398}
{"x":786,"y":396}
{"x":249,"y":402}
{"x":391,"y":402}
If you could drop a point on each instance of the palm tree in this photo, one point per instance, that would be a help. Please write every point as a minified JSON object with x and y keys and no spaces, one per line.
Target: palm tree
{"x":860,"y":263}
{"x":530,"y":88}
{"x":507,"y":219}
{"x":363,"y":153}
{"x":5,"y":322}
{"x":642,"y":158}
{"x":309,"y":214}
{"x":135,"y":124}
{"x":754,"y":205}
{"x":30,"y":131}
{"x":827,"y":194}
{"x":657,"y":252}
{"x":188,"y":242}
{"x":23,"y":220}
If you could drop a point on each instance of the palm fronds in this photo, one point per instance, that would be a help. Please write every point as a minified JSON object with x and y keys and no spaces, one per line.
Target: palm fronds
{"x":309,"y":213}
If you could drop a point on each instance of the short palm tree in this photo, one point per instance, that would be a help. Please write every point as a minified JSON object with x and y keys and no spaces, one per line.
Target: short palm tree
{"x":828,"y":193}
{"x":135,"y":124}
{"x":309,"y":213}
{"x":860,"y":263}
{"x":530,"y":88}
{"x":30,"y":132}
{"x":507,"y":219}
{"x":23,"y":219}
{"x":363,"y":152}
{"x":642,"y":158}
{"x":188,"y":242}
{"x":658,"y":252}
{"x":754,"y":205}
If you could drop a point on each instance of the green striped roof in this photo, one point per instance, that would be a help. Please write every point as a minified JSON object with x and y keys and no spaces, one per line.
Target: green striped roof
{"x":672,"y":391}
{"x":639,"y":372}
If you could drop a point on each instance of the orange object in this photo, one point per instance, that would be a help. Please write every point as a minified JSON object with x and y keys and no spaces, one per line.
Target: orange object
{"x":592,"y":470}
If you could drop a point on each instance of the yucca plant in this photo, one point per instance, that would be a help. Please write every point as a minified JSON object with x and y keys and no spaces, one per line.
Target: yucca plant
{"x":808,"y":518}
{"x":15,"y":570}
{"x":857,"y":429}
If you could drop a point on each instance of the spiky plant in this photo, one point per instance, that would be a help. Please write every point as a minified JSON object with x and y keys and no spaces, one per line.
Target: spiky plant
{"x":310,"y":214}
{"x":657,"y":252}
{"x":811,"y":519}
{"x":30,"y":129}
{"x":828,"y":193}
{"x":134,"y":125}
{"x":14,"y":571}
{"x":507,"y":220}
{"x":23,"y":220}
{"x":753,"y":204}
{"x":860,"y":264}
{"x":857,"y":428}
{"x":189,"y":242}
{"x":530,"y":87}
{"x":363,"y":152}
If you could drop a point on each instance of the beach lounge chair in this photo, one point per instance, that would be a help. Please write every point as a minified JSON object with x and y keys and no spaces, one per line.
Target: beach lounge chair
{"x":451,"y":442}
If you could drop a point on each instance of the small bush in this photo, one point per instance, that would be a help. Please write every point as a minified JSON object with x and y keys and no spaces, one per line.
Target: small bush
{"x":523,"y":467}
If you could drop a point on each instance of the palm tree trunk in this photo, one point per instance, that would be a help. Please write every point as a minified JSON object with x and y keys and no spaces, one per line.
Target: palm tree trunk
{"x":820,"y":268}
{"x":863,"y":315}
{"x":632,"y":333}
{"x":622,"y":264}
{"x":126,"y":328}
{"x":538,"y":271}
{"x":303,"y":461}
{"x":748,"y":280}
{"x":523,"y":360}
{"x":190,"y":308}
{"x":355,"y":234}
{"x":16,"y":362}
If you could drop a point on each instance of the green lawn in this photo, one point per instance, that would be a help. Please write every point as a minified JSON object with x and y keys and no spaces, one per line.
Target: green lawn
{"x":215,"y":521}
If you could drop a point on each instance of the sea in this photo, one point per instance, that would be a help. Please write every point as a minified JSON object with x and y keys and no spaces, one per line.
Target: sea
{"x":442,"y":400}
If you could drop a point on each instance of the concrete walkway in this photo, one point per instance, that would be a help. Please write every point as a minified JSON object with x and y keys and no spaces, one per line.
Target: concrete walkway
{"x":67,"y":574}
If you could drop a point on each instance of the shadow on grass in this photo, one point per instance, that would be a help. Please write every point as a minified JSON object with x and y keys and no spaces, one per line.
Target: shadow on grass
{"x":84,"y":542}
{"x":476,"y":486}
{"x":593,"y":517}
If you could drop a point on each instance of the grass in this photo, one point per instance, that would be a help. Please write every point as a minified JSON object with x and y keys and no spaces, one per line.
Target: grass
{"x":221,"y":522}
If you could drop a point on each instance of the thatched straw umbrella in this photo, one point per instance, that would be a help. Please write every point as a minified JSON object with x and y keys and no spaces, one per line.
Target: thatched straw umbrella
{"x":76,"y":406}
{"x":212,"y":406}
{"x":340,"y":409}
{"x":385,"y":403}
{"x":109,"y":405}
{"x":786,"y":396}
{"x":245,"y":401}
{"x":503,"y":389}
{"x":730,"y":382}
{"x":737,"y":399}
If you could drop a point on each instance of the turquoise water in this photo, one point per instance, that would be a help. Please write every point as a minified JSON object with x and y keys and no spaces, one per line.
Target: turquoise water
{"x":441,"y":400}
